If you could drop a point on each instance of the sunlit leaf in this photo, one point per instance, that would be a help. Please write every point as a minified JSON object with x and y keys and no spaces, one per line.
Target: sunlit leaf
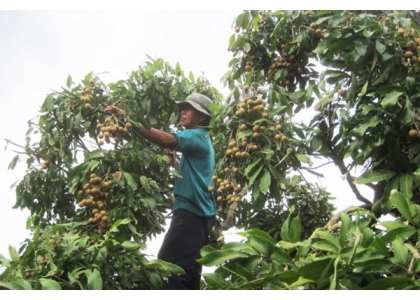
{"x":375,"y":176}
{"x":219,"y":257}
{"x":95,"y":280}
{"x":49,"y":284}
{"x":391,"y":99}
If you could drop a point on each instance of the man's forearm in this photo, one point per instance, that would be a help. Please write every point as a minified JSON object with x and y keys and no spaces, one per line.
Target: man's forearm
{"x":159,"y":137}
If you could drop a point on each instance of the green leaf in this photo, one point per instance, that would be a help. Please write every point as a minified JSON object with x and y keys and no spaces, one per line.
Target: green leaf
{"x":361,"y":129}
{"x":219,"y":257}
{"x":261,"y":245}
{"x":380,"y":47}
{"x":95,"y":280}
{"x":375,"y":176}
{"x":400,"y":251}
{"x":364,"y":89}
{"x":241,"y":247}
{"x":325,"y":246}
{"x":166,"y":266}
{"x":130,"y":180}
{"x":329,"y":237}
{"x":280,"y":255}
{"x":405,"y":22}
{"x":284,"y":231}
{"x":255,"y":175}
{"x":216,"y":282}
{"x":301,"y":282}
{"x":154,"y":278}
{"x":277,"y":174}
{"x":48,"y":104}
{"x":390,"y":99}
{"x":49,"y":284}
{"x":389,"y":283}
{"x":402,"y":204}
{"x":403,"y":232}
{"x":69,"y":81}
{"x":12,"y":164}
{"x":265,"y":182}
{"x":73,"y":277}
{"x":295,"y":230}
{"x":11,"y":286}
{"x":131,"y":246}
{"x":379,"y":245}
{"x":303,"y":158}
{"x":13,"y":254}
{"x":344,"y":229}
{"x":313,"y":269}
{"x":251,"y":166}
{"x":406,"y":185}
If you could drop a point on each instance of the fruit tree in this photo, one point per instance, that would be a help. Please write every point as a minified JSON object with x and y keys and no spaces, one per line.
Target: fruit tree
{"x":97,"y":192}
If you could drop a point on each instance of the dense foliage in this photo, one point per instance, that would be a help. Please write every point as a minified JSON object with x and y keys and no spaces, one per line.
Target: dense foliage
{"x":366,"y":115}
{"x":97,"y":192}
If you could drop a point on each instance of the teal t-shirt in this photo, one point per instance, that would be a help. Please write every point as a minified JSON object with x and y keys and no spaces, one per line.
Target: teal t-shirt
{"x":196,"y":168}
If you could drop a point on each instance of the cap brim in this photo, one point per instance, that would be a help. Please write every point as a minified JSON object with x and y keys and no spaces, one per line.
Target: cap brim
{"x":196,"y":106}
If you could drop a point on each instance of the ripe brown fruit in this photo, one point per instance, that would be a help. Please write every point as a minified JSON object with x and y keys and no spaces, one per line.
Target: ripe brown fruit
{"x":408,"y":54}
{"x":413,"y":133}
{"x":314,"y":25}
{"x":411,"y":44}
{"x":400,"y":31}
{"x":240,"y":112}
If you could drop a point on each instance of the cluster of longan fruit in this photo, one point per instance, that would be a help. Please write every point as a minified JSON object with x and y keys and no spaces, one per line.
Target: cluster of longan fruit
{"x":44,"y":165}
{"x":112,"y":130}
{"x":235,"y":150}
{"x":226,"y":188}
{"x":96,"y":192}
{"x":86,"y":97}
{"x":249,"y":105}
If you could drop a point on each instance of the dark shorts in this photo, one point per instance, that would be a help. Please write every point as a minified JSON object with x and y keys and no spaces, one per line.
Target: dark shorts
{"x":187,"y":234}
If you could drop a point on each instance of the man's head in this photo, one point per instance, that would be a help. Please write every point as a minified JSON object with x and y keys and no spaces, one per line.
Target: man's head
{"x":199,"y":106}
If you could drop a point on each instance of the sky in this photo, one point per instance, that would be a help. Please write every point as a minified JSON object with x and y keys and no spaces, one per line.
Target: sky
{"x":40,"y":48}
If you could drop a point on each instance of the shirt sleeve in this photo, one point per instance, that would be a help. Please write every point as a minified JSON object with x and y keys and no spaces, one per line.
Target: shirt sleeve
{"x":190,"y":140}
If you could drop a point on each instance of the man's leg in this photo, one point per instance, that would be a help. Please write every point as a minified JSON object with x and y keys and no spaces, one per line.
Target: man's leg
{"x":186,"y":236}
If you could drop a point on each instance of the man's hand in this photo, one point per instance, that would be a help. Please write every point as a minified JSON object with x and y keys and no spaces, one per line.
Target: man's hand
{"x":118,"y":112}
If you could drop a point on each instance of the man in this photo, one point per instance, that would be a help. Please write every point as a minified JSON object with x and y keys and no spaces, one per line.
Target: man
{"x":195,"y":208}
